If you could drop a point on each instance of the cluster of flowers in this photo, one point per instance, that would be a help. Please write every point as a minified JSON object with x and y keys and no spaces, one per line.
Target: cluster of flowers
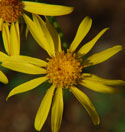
{"x":62,"y":69}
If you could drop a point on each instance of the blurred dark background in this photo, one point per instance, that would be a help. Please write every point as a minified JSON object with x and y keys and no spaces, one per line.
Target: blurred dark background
{"x":18,"y":113}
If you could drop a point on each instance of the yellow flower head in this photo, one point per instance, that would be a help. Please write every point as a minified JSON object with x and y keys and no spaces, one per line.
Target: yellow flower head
{"x":62,"y":70}
{"x":12,"y":10}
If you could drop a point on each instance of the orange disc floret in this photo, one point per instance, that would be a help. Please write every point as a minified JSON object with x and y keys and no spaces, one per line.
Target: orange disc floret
{"x":10,"y":10}
{"x":64,"y":69}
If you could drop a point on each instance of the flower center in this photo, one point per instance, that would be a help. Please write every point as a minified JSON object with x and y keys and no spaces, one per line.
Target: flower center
{"x":64,"y":69}
{"x":10,"y":10}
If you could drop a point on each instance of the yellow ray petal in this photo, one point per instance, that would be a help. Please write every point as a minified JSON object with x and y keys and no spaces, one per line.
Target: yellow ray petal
{"x":3,"y":78}
{"x":14,"y":40}
{"x":17,"y":30}
{"x":1,"y":22}
{"x":82,"y":31}
{"x":3,"y":56}
{"x":6,"y":37}
{"x":99,"y":87}
{"x":27,"y":86}
{"x":38,"y":36}
{"x":23,"y":67}
{"x":46,"y":9}
{"x":57,"y":110}
{"x":85,"y":101}
{"x":44,"y":108}
{"x":27,"y":59}
{"x":102,"y":56}
{"x":33,"y":29}
{"x":55,"y":36}
{"x":45,"y":38}
{"x":88,"y":46}
{"x":97,"y":79}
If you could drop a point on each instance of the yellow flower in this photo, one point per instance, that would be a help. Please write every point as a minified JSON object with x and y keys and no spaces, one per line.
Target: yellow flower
{"x":11,"y":39}
{"x":12,"y":10}
{"x":62,"y":70}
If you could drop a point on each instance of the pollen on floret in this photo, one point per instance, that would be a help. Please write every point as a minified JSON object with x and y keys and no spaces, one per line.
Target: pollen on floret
{"x":64,"y":69}
{"x":10,"y":10}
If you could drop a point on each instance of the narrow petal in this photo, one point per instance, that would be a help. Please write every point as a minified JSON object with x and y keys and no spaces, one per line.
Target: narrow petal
{"x":88,"y":46}
{"x":3,"y":78}
{"x":23,"y":67}
{"x":44,"y":108}
{"x":99,"y":87}
{"x":85,"y":101}
{"x":6,"y":37}
{"x":45,"y":38}
{"x":97,"y":79}
{"x":36,"y":32}
{"x":17,"y":30}
{"x":57,"y":110}
{"x":55,"y":36}
{"x":1,"y":22}
{"x":27,"y":86}
{"x":27,"y":59}
{"x":14,"y":41}
{"x":46,"y":9}
{"x":102,"y":56}
{"x":3,"y":56}
{"x":82,"y":31}
{"x":33,"y":29}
